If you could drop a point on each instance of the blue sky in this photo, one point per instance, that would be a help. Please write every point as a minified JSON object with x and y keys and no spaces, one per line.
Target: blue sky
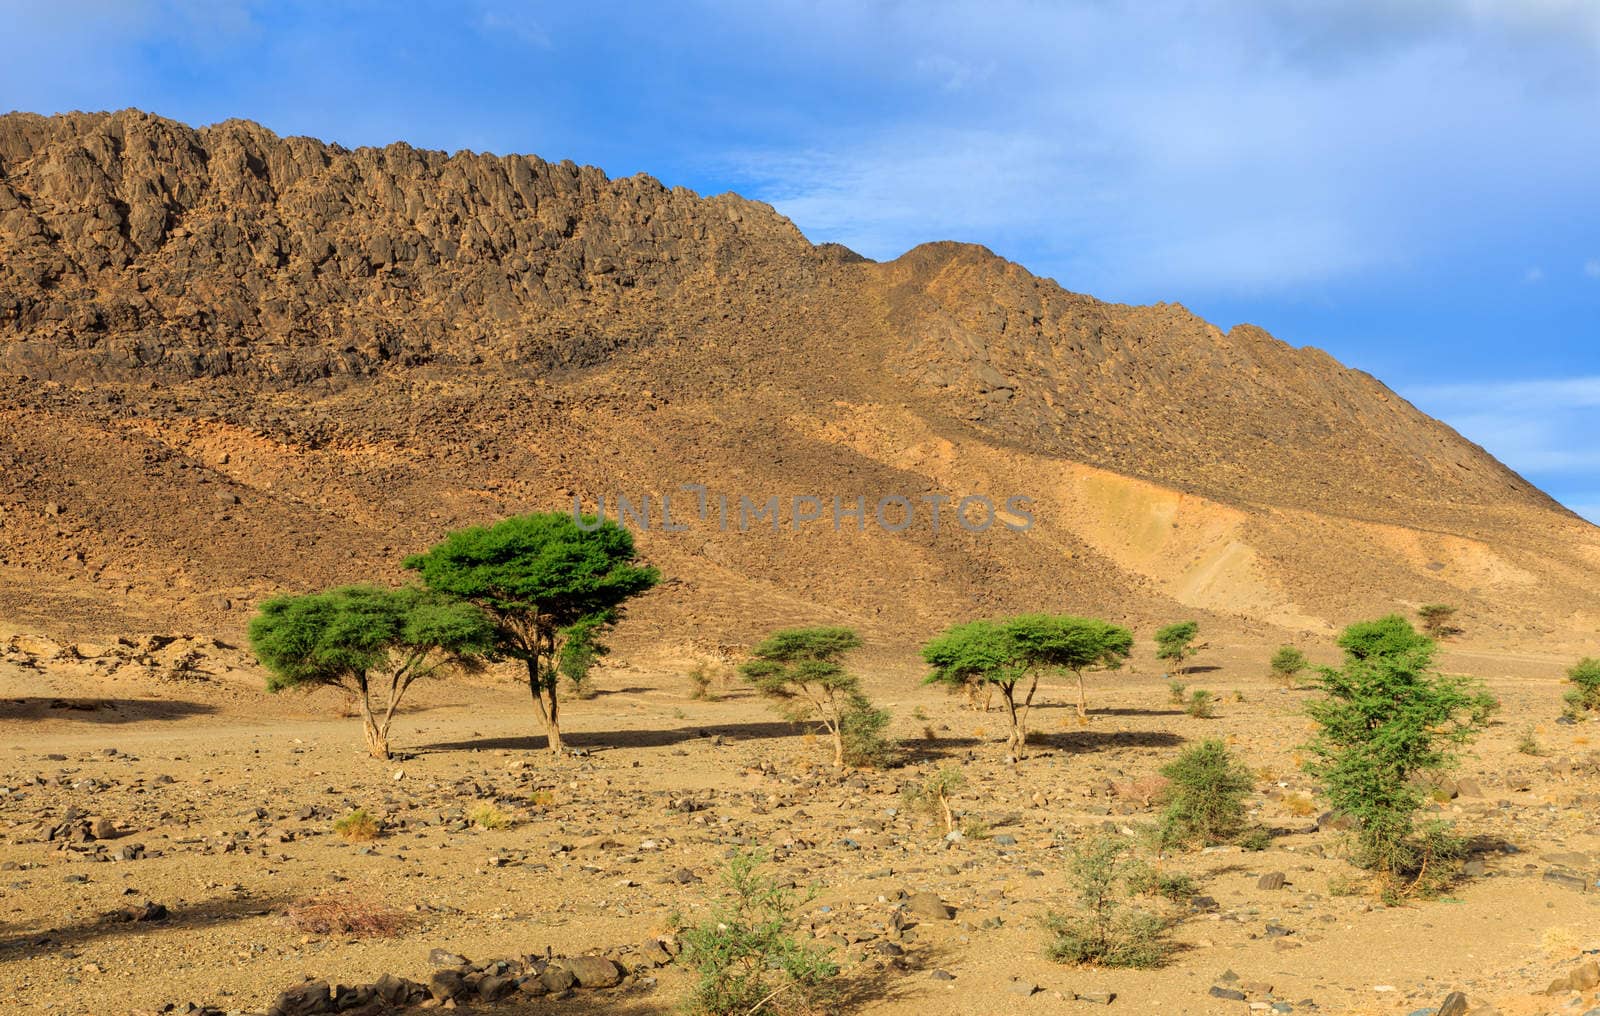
{"x":1411,"y":185}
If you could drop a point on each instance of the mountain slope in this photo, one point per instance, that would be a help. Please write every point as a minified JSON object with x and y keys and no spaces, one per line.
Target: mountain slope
{"x":242,"y":363}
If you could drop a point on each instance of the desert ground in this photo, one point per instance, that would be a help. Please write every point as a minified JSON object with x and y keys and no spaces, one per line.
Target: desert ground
{"x":168,"y":776}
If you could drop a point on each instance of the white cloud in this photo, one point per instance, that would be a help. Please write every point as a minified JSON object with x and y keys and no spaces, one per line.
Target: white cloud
{"x":1541,"y":428}
{"x":1157,"y":148}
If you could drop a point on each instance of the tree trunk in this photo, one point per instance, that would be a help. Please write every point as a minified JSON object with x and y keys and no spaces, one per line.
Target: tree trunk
{"x":838,"y":746}
{"x":1083,"y":699}
{"x":376,"y":734}
{"x":549,"y":714}
{"x":1014,"y":743}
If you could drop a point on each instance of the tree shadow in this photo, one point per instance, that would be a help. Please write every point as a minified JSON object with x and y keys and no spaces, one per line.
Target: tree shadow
{"x":1094,"y":740}
{"x":589,"y":740}
{"x":1129,"y":711}
{"x":99,"y":710}
{"x":44,"y":943}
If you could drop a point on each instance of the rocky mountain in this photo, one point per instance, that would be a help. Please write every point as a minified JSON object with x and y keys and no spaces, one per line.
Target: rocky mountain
{"x":238,"y":363}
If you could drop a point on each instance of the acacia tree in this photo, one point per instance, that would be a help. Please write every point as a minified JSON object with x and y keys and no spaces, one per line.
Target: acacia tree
{"x":1012,"y":655}
{"x":801,"y":670}
{"x":546,"y":581}
{"x":363,"y":639}
{"x":1175,"y":642}
{"x":1387,"y":718}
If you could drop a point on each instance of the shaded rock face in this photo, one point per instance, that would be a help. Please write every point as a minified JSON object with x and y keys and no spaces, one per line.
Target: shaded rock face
{"x":130,"y":241}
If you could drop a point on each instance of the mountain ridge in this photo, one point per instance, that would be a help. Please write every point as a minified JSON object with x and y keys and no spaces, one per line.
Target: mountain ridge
{"x":381,"y":330}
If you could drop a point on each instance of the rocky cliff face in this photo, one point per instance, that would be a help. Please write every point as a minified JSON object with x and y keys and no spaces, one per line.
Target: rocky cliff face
{"x":239,"y":363}
{"x":131,"y":242}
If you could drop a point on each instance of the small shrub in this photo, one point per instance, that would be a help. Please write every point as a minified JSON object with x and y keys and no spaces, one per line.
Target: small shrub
{"x":918,"y":715}
{"x":1143,"y":880}
{"x":1255,"y":838}
{"x":861,"y":730}
{"x":357,"y":826}
{"x":1104,"y":929}
{"x":1584,"y":695}
{"x":701,"y":679}
{"x":1201,"y":705}
{"x":747,"y":956}
{"x":932,"y":796}
{"x":1482,"y":707}
{"x":1287,"y":663}
{"x":343,"y":914}
{"x":1204,"y":802}
{"x":487,"y":816}
{"x":542,"y":798}
{"x":974,"y":828}
{"x":1527,"y":744}
{"x":1175,"y":692}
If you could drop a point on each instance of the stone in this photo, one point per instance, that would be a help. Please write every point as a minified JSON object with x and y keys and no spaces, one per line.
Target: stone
{"x":493,"y":989}
{"x":1567,"y":880}
{"x":928,"y":906}
{"x":394,"y":990}
{"x":1024,"y":988}
{"x":104,"y":829}
{"x":1454,"y":1004}
{"x":1585,"y":976}
{"x":1096,"y":997}
{"x":1468,"y":787}
{"x":557,"y":979}
{"x":593,"y":971}
{"x":1228,"y":993}
{"x":942,"y":975}
{"x":1271,"y":880}
{"x":306,"y":1000}
{"x":446,"y":985}
{"x":445,"y":958}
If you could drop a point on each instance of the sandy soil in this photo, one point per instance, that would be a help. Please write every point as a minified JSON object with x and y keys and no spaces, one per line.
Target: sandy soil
{"x":209,"y":774}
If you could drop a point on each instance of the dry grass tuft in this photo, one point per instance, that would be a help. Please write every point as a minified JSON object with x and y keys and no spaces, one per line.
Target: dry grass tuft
{"x":343,"y":914}
{"x":1299,"y":805}
{"x":487,"y":816}
{"x":358,"y":825}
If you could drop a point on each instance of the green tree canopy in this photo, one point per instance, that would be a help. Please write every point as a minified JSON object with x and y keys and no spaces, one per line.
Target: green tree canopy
{"x":544,"y":580}
{"x":802,"y":670}
{"x":1387,"y":719}
{"x":1175,"y":642}
{"x":1014,"y":654}
{"x":362,"y":639}
{"x":1386,"y":636}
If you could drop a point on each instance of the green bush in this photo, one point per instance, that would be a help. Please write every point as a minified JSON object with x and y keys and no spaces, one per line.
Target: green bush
{"x":1104,"y":929}
{"x":1388,"y":721}
{"x":1584,"y":695}
{"x":1287,"y":663}
{"x":1144,"y":880}
{"x":746,"y":956}
{"x":1204,"y":799}
{"x":1175,"y":692}
{"x":861,"y":729}
{"x":1201,"y":705}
